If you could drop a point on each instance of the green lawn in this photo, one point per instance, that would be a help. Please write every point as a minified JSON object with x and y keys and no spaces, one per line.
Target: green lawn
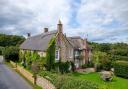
{"x":116,"y":83}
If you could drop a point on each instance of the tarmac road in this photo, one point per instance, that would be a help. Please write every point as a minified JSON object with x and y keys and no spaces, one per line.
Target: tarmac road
{"x":9,"y":79}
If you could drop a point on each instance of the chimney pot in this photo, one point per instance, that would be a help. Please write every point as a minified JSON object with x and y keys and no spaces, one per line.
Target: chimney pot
{"x":45,"y":30}
{"x":29,"y":34}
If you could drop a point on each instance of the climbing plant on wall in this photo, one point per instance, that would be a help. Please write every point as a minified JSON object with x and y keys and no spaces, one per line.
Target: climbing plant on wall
{"x":21,"y":56}
{"x":50,"y":54}
{"x":34,"y":56}
{"x":28,"y":59}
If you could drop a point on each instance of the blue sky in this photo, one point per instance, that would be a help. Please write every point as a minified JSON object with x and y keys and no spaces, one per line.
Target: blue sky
{"x":102,"y":20}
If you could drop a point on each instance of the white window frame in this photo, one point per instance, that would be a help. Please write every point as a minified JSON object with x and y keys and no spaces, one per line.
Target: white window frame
{"x":57,"y":55}
{"x":76,"y":53}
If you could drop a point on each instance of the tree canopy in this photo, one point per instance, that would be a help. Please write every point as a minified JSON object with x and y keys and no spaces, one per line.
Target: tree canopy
{"x":10,"y":40}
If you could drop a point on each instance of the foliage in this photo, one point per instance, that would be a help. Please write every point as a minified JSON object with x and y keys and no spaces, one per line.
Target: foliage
{"x":35,"y":67}
{"x":90,"y":64}
{"x":118,"y":57}
{"x":21,"y":56}
{"x":121,"y":68}
{"x":35,"y":56}
{"x":10,"y":40}
{"x":42,"y":63}
{"x":101,"y":60}
{"x":28,"y":60}
{"x":50,"y":55}
{"x":11,"y":53}
{"x":68,"y":82}
{"x":64,"y":67}
{"x":1,"y":49}
{"x":72,"y":66}
{"x":117,"y":51}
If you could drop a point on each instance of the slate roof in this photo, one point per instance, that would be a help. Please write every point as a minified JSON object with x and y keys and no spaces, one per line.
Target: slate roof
{"x":39,"y":42}
{"x":77,"y":42}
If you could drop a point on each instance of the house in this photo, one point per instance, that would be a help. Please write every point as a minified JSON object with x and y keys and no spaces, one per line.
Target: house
{"x":73,"y":49}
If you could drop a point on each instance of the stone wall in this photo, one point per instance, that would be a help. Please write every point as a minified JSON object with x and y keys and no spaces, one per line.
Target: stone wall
{"x":44,"y":83}
{"x":25,"y":73}
{"x":40,"y":81}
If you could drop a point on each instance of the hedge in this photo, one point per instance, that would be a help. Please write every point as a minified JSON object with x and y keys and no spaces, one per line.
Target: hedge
{"x":121,"y":69}
{"x":68,"y":82}
{"x":121,"y":58}
{"x":11,"y":53}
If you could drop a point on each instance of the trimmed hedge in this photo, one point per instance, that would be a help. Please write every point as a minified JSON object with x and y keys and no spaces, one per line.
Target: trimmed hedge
{"x":121,"y":69}
{"x":68,"y":82}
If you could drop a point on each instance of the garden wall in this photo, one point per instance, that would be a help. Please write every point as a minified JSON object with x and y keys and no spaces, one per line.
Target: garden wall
{"x":44,"y":83}
{"x":40,"y":81}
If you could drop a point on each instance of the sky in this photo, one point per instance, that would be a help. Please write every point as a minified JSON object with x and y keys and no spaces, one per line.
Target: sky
{"x":98,"y":20}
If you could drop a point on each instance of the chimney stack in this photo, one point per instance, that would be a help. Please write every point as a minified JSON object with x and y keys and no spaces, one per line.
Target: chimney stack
{"x":29,"y":34}
{"x":60,"y":27}
{"x":45,"y":30}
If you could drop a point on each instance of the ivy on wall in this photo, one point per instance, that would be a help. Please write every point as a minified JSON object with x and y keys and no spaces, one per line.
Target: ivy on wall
{"x":50,"y":55}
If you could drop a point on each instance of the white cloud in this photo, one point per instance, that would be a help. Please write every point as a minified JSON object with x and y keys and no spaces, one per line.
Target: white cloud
{"x":33,"y":15}
{"x":96,"y":18}
{"x":102,"y":20}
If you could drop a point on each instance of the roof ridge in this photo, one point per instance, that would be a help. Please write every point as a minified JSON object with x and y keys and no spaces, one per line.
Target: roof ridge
{"x":47,"y":34}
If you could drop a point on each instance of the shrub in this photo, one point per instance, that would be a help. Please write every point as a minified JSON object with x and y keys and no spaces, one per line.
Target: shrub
{"x":98,"y":67}
{"x":88,"y":65}
{"x":11,"y":53}
{"x":62,"y":67}
{"x":72,"y":66}
{"x":121,"y":69}
{"x":84,"y":66}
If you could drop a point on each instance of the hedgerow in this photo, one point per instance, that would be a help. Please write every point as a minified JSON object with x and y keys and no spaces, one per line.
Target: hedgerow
{"x":121,"y":68}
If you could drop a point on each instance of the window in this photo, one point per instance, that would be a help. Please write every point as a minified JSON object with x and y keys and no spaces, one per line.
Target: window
{"x":70,"y":53}
{"x":76,"y":53}
{"x":57,"y":55}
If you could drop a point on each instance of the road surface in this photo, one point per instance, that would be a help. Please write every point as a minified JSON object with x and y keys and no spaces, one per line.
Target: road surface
{"x":9,"y":79}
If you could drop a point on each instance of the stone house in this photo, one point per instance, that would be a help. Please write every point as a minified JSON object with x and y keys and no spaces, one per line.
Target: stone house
{"x":73,"y":49}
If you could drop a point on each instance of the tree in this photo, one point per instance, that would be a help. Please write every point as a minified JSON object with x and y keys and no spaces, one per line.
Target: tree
{"x":101,"y":60}
{"x":10,"y":40}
